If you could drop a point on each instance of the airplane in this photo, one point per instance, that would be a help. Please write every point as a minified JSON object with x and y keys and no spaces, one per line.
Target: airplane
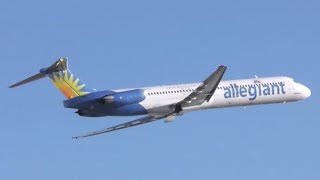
{"x":166,"y":102}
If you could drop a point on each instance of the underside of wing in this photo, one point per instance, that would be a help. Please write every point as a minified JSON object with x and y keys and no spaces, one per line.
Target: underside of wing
{"x":136,"y":122}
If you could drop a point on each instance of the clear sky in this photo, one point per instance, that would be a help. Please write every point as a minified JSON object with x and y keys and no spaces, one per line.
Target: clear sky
{"x":122,"y":44}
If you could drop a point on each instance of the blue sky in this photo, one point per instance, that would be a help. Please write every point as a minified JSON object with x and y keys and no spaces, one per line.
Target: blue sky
{"x":121,"y":44}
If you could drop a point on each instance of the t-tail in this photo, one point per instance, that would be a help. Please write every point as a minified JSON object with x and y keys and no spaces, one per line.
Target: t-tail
{"x":62,"y":78}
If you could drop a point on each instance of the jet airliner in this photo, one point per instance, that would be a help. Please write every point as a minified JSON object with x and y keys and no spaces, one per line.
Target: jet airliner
{"x":167,"y":102}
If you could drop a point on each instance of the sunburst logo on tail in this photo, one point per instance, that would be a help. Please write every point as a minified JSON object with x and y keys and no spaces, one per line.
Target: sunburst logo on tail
{"x":69,"y":85}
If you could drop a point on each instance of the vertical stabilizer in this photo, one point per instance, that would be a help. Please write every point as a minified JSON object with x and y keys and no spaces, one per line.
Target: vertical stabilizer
{"x":64,"y":80}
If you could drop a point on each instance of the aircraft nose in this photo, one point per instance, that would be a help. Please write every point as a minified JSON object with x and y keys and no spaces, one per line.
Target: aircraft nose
{"x":306,"y":92}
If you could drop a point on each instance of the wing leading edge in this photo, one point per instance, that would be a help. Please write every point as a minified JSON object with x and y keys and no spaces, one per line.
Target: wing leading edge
{"x":203,"y":93}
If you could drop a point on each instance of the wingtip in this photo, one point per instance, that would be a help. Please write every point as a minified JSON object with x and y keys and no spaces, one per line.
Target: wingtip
{"x":13,"y":86}
{"x":78,"y":137}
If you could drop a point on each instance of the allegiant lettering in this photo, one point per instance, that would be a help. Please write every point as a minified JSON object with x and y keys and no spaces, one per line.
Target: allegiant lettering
{"x":253,"y":91}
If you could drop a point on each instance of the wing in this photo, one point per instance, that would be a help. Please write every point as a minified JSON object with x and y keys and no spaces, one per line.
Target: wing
{"x":136,"y":122}
{"x":205,"y":91}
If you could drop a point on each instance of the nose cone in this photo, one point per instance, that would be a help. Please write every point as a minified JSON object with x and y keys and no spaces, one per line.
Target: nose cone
{"x":306,"y":92}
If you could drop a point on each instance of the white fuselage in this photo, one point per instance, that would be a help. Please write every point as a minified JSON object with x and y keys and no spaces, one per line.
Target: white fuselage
{"x":230,"y":93}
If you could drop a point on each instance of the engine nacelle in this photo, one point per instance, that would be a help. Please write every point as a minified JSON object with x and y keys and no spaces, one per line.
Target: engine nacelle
{"x":108,"y":99}
{"x":124,"y":98}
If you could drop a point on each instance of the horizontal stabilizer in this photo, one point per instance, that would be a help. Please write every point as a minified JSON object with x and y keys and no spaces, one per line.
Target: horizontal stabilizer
{"x":30,"y":79}
{"x":60,"y":65}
